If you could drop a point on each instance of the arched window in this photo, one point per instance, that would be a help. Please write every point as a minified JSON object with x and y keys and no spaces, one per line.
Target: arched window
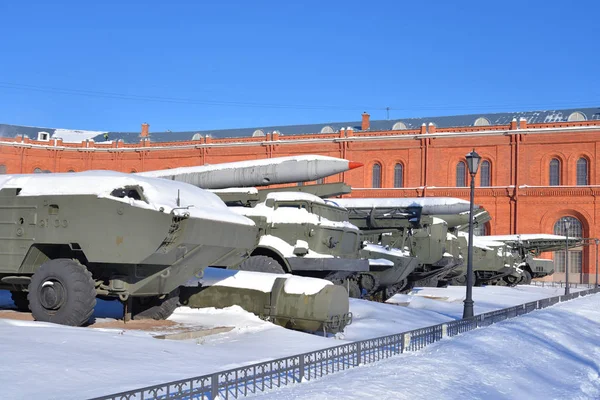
{"x":376,"y":175}
{"x":37,"y":171}
{"x":575,"y":255}
{"x":461,"y":174}
{"x":484,"y":173}
{"x":481,"y":229}
{"x":71,"y":170}
{"x":2,"y":169}
{"x":582,"y":172}
{"x":398,"y":176}
{"x":555,"y":172}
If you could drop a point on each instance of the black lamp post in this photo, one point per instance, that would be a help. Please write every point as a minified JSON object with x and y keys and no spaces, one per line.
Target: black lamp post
{"x":597,"y":242}
{"x":473,"y":163}
{"x":567,"y":224}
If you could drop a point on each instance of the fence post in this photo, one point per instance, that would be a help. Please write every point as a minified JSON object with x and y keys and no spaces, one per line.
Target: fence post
{"x":301,"y":368}
{"x":214,"y":386}
{"x":402,"y":343}
{"x":358,"y":347}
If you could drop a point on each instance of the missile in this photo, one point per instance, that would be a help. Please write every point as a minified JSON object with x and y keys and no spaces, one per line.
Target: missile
{"x":257,"y":172}
{"x":431,"y":205}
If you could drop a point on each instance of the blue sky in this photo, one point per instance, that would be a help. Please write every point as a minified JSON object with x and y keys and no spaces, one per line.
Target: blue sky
{"x":186,"y":65}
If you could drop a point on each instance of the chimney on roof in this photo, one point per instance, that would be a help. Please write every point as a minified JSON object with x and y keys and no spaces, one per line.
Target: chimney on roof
{"x":513,"y":124}
{"x":145,"y":129}
{"x":365,"y":122}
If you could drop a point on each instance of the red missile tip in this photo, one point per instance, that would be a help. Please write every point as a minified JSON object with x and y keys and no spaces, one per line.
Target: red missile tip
{"x":354,"y":164}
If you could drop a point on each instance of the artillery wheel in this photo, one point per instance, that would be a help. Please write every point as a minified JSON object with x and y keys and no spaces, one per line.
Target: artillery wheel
{"x":20,"y":300}
{"x":260,"y":264}
{"x":526,"y":278}
{"x":62,"y":291}
{"x":153,"y":307}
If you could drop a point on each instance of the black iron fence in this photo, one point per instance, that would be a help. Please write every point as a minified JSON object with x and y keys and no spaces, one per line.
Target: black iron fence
{"x":563,"y":284}
{"x":257,"y":378}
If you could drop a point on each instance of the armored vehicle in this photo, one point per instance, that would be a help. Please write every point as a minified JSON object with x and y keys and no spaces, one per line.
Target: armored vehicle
{"x":401,"y":224}
{"x":68,"y":238}
{"x":301,"y":233}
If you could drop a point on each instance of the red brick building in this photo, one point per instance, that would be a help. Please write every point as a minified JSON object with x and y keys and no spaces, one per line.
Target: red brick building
{"x":538,"y":167}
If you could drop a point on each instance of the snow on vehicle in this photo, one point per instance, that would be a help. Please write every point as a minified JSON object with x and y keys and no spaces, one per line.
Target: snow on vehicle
{"x":67,"y":238}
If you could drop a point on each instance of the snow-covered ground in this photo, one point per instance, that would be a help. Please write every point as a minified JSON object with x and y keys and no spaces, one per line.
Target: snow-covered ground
{"x":41,"y":360}
{"x":552,"y":353}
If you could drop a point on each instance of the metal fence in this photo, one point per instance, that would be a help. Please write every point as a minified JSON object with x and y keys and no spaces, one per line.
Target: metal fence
{"x":563,"y":284}
{"x":256,"y":378}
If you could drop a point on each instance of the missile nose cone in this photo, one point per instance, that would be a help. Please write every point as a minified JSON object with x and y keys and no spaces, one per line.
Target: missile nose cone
{"x":354,"y":164}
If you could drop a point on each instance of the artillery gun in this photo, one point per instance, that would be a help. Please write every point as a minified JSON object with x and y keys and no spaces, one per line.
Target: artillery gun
{"x":69,"y":238}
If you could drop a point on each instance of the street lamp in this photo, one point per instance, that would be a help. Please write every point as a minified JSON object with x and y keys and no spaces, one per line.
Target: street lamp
{"x":597,"y":241}
{"x":567,"y":224}
{"x":473,"y":163}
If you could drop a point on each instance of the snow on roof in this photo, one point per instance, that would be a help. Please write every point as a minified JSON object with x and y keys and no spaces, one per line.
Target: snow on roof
{"x":159,"y":192}
{"x":431,"y":205}
{"x":75,"y":135}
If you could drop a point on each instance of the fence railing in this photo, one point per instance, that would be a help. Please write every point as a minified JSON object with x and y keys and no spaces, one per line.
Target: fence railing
{"x":563,"y":284}
{"x":256,"y":378}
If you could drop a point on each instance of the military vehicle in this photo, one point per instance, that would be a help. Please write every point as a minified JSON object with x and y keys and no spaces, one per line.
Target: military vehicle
{"x":68,"y":238}
{"x":302,"y":234}
{"x":401,"y":224}
{"x":293,"y":302}
{"x":527,"y":247}
{"x":493,"y":263}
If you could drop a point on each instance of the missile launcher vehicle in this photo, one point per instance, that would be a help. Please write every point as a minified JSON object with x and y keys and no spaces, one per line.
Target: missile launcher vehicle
{"x":302,"y":234}
{"x":402,"y":224}
{"x":527,"y":247}
{"x":68,"y":238}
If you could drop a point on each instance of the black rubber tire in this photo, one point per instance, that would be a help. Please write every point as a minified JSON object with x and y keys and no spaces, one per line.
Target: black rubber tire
{"x":72,"y":283}
{"x":526,"y":278}
{"x":20,"y":300}
{"x":154,"y":307}
{"x":261,"y":264}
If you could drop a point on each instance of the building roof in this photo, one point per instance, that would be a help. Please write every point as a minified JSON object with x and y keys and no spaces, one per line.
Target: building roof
{"x":504,"y":118}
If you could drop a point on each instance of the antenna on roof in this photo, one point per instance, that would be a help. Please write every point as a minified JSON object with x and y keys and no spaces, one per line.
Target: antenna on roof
{"x":387,"y":109}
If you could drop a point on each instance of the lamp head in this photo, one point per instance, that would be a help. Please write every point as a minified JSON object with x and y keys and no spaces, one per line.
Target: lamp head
{"x":473,"y":160}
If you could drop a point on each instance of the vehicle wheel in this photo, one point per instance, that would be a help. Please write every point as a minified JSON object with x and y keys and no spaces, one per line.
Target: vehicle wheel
{"x":526,"y":278}
{"x":261,"y":264}
{"x":512,"y":280}
{"x":62,"y":291}
{"x":353,"y":289}
{"x":368,"y":282}
{"x":20,"y":300}
{"x":153,"y":307}
{"x":393,"y":289}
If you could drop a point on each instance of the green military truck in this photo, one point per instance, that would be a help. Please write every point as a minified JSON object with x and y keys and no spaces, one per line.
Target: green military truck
{"x":69,"y":238}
